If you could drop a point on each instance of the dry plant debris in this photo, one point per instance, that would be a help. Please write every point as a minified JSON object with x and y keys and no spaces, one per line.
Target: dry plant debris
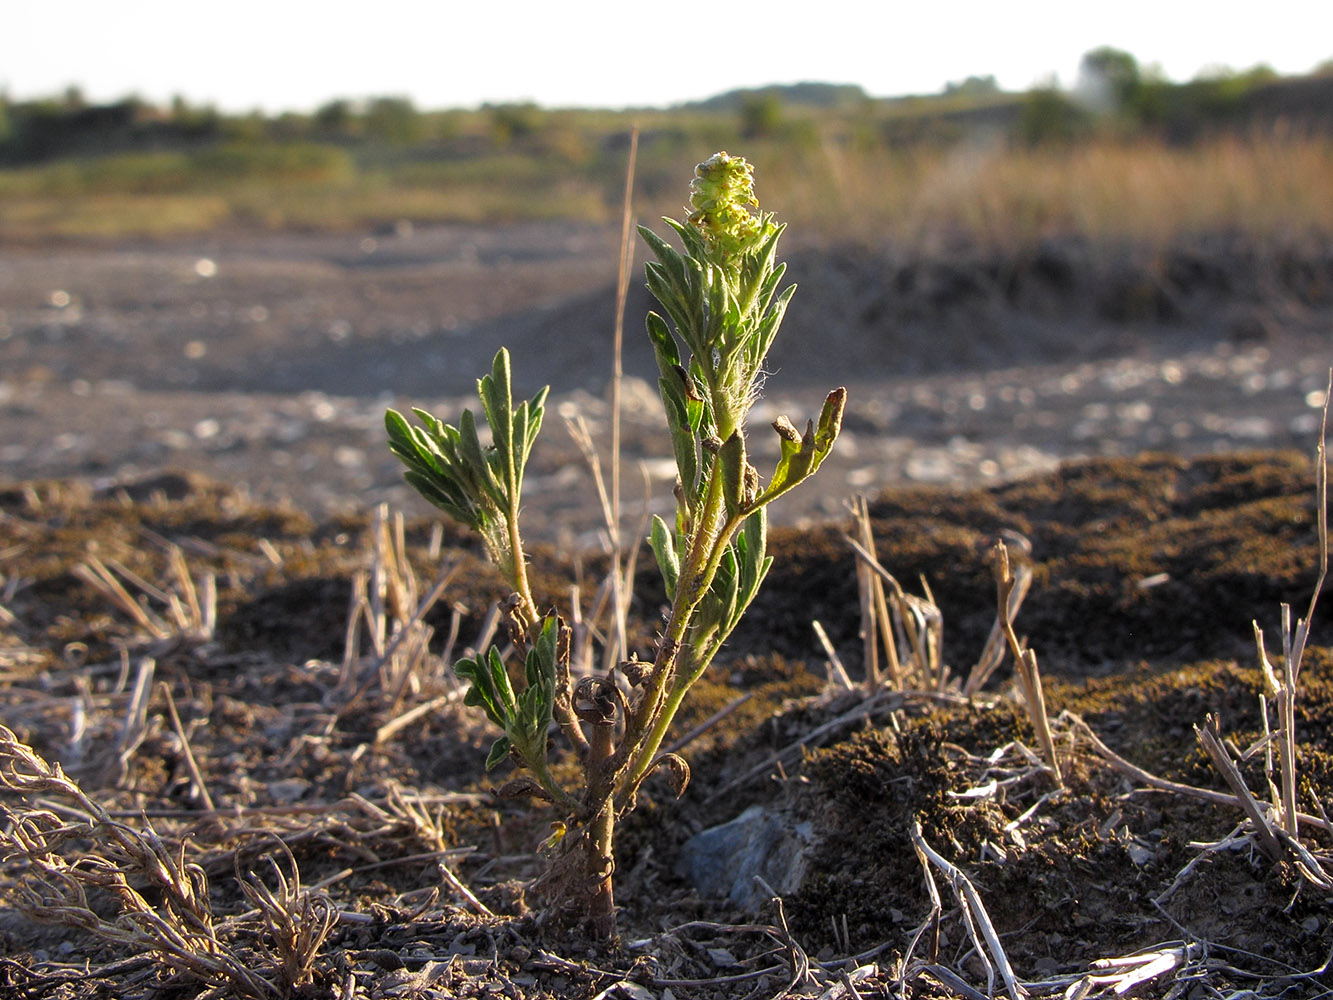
{"x":351,"y":848}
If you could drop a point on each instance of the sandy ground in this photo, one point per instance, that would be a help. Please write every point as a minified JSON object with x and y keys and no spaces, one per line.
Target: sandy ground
{"x":267,"y":361}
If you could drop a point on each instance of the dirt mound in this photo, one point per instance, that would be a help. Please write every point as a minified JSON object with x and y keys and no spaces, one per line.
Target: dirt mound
{"x":261,"y":724}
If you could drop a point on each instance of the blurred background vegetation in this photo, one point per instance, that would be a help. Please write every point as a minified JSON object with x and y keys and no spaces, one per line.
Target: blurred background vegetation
{"x":1125,"y":155}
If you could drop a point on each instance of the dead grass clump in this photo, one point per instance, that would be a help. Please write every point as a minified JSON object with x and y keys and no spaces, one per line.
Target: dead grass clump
{"x":128,"y":889}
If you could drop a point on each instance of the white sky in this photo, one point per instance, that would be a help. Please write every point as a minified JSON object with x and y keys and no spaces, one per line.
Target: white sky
{"x":295,"y":55}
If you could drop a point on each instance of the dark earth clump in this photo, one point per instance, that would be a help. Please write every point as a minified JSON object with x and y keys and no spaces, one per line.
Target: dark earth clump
{"x":1147,"y":573}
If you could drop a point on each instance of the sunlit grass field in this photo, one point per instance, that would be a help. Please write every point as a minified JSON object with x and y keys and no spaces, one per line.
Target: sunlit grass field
{"x":988,"y":190}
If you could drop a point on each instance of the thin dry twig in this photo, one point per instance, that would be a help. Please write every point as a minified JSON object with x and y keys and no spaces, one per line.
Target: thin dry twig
{"x":1025,"y":660}
{"x":709,"y":723}
{"x":196,"y":776}
{"x":1151,"y":780}
{"x":95,"y":573}
{"x":875,"y":621}
{"x":837,"y":672}
{"x":975,"y":913}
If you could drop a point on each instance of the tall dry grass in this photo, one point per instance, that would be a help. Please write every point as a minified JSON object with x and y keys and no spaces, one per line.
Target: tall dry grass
{"x":1141,"y":191}
{"x":991,"y":192}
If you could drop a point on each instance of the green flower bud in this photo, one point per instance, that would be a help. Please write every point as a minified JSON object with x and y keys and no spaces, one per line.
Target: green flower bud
{"x":721,"y":195}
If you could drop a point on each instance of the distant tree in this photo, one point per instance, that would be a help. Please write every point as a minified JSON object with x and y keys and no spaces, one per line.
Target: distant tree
{"x":761,"y":114}
{"x":335,"y":118}
{"x":513,"y":121}
{"x":973,"y":86}
{"x":1221,"y":93}
{"x":826,"y":96}
{"x":1109,"y":79}
{"x":394,"y":120}
{"x":1049,"y":116}
{"x":193,"y":122}
{"x":289,"y":127}
{"x":251,"y":127}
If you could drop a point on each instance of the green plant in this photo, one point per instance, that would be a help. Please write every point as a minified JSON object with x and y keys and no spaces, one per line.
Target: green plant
{"x":722,"y":308}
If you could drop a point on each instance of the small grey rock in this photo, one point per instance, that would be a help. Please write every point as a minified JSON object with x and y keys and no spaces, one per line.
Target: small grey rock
{"x":724,"y":860}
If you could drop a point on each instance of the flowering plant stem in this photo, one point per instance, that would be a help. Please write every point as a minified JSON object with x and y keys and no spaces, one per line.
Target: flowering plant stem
{"x":723,"y":308}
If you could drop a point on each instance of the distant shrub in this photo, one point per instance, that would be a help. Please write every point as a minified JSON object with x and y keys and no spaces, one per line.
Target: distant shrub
{"x":394,"y":120}
{"x":301,"y":161}
{"x":761,"y":114}
{"x":514,"y":121}
{"x":1049,"y":116}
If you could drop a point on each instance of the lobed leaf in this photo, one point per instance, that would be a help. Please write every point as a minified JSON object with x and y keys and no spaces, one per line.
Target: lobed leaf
{"x":802,"y":455}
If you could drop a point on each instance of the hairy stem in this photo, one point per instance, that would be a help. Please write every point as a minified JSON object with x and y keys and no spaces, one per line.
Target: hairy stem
{"x":648,"y":746}
{"x":599,"y":852}
{"x":691,"y":586}
{"x":527,"y":607}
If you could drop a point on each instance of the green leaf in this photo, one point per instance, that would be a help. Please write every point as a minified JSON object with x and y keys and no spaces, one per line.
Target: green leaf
{"x":768,"y":326}
{"x":499,"y":752}
{"x":490,"y":688}
{"x":664,"y":345}
{"x":497,"y":399}
{"x":663,"y":543}
{"x":752,"y":563}
{"x":536,"y":410}
{"x":803,"y":454}
{"x":475,"y":470}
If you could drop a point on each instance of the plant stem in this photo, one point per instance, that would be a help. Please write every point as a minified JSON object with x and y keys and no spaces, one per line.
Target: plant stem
{"x":527,"y":607}
{"x":598,"y":848}
{"x":542,"y":774}
{"x":691,"y":586}
{"x":646,"y":751}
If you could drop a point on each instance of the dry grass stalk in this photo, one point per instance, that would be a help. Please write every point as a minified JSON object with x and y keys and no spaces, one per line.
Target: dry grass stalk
{"x":875,"y":620}
{"x":386,"y":603}
{"x":979,"y":926}
{"x":177,"y":925}
{"x":1210,"y":738}
{"x":1150,"y":780}
{"x":135,"y":725}
{"x":1012,"y":196}
{"x":1025,"y":660}
{"x":192,"y":609}
{"x":297,"y":921}
{"x":1277,"y":828}
{"x":619,"y":578}
{"x":1124,"y":973}
{"x":196,"y":776}
{"x":837,"y":673}
{"x":621,"y":585}
{"x":1280,"y":681}
{"x":997,"y":642}
{"x":916,"y":623}
{"x":95,"y":573}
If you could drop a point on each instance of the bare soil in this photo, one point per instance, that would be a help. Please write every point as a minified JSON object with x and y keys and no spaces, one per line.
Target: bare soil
{"x":266,"y":361}
{"x":1148,"y":570}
